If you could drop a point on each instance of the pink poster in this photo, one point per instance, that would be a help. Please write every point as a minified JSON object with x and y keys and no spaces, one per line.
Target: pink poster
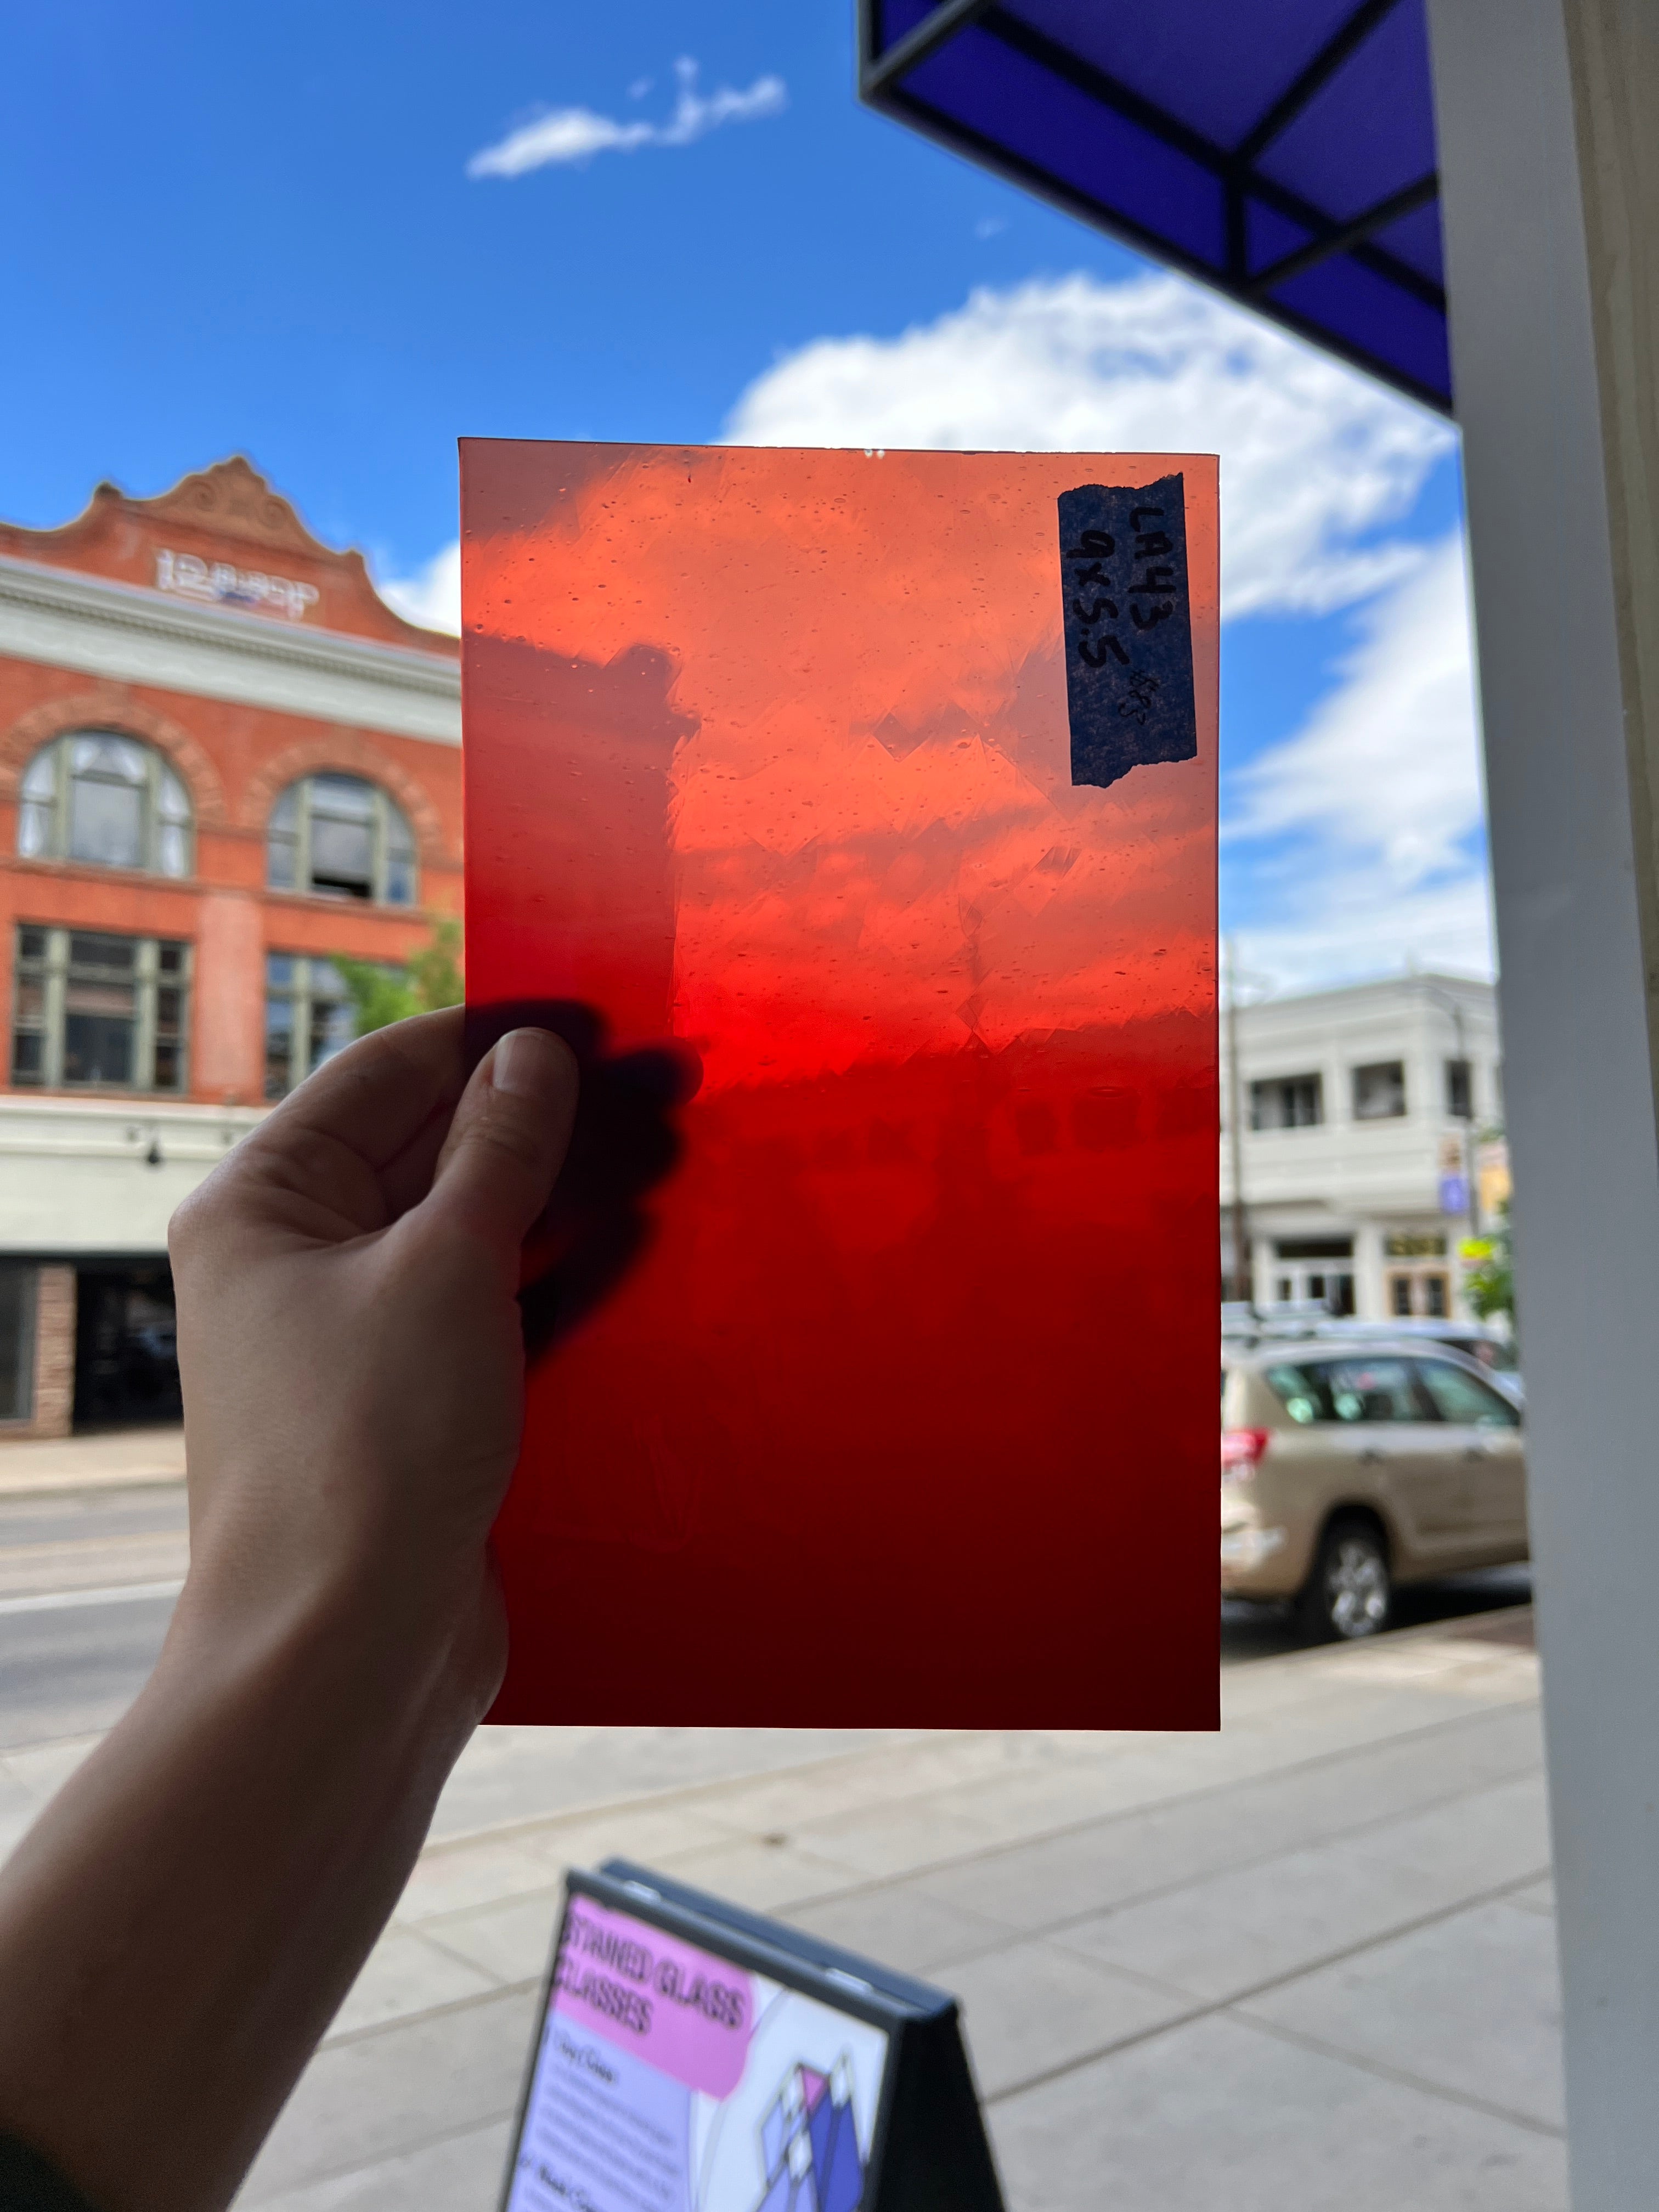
{"x":683,"y":2011}
{"x":669,"y":2079}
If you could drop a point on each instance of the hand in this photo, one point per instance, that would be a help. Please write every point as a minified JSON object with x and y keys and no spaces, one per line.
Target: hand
{"x":182,"y":1921}
{"x":350,"y":1337}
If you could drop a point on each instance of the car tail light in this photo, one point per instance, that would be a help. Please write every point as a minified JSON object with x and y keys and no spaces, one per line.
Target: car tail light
{"x":1240,"y":1449}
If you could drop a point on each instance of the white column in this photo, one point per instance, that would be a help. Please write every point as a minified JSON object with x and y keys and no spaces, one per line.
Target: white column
{"x":1369,"y":1302}
{"x":1262,"y":1267}
{"x":1552,"y":276}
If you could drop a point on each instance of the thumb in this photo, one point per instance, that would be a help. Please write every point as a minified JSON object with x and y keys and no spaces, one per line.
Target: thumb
{"x":508,"y":1140}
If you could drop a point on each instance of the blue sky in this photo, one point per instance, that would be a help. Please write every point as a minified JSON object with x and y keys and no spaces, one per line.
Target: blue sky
{"x":256,"y":230}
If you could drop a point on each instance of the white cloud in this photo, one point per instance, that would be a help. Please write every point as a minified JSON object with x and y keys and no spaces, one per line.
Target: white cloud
{"x":1346,"y":847}
{"x":432,"y":598}
{"x":566,"y":135}
{"x":1351,"y":840}
{"x":1313,"y":456}
{"x":1386,"y":761}
{"x":1359,"y":928}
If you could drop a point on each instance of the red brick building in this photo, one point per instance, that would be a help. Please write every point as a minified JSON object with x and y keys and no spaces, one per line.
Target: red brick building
{"x":224,"y":759}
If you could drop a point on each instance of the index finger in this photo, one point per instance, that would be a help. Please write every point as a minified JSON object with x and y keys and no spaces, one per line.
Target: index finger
{"x":379,"y":1095}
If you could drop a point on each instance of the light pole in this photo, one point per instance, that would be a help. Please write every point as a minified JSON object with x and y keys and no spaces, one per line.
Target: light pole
{"x":1243,"y":1274}
{"x":1471,"y":1192}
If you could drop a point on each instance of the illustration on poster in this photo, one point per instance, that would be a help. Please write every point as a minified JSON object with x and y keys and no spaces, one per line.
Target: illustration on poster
{"x":809,"y":2141}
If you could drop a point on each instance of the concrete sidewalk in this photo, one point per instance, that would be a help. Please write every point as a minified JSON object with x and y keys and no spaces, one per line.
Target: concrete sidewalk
{"x":1307,"y":1963}
{"x":107,"y":1459}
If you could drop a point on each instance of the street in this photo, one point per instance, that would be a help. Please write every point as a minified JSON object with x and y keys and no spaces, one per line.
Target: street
{"x":86,"y":1585}
{"x":87,"y":1579}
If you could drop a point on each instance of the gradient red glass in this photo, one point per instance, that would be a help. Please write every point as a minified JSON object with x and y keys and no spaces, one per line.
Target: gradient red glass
{"x":904,"y":1412}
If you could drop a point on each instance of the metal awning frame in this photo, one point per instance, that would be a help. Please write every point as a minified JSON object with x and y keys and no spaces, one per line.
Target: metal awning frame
{"x":881,"y":86}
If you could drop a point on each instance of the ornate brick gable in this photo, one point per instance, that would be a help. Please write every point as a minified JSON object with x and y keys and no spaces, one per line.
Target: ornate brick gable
{"x":232,"y":500}
{"x":223,"y":537}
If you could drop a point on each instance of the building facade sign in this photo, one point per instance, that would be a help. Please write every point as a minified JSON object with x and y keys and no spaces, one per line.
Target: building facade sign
{"x":192,"y":577}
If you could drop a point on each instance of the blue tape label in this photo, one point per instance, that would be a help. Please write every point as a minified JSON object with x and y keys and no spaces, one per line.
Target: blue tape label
{"x":1128,"y":628}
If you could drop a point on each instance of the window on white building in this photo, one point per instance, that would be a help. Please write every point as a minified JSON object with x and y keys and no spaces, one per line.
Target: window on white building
{"x":1287,"y":1101}
{"x":100,"y":798}
{"x":1460,"y":1091}
{"x":341,"y":837}
{"x":102,"y":1013}
{"x":1379,"y":1091}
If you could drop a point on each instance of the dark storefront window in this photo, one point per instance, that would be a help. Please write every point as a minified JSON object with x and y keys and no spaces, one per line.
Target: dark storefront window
{"x":17,"y":1297}
{"x":100,"y":1012}
{"x":126,"y":1354}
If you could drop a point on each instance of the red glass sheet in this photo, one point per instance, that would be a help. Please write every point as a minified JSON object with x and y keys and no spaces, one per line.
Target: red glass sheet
{"x":875,"y":1381}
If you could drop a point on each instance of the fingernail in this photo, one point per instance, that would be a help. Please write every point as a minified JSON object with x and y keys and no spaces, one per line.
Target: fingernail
{"x":529,"y":1063}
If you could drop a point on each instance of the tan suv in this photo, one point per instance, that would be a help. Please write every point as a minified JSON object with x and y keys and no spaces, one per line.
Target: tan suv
{"x":1344,"y":1472}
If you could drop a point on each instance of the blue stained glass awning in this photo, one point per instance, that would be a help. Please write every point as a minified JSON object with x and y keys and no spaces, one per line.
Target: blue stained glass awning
{"x":1282,"y":150}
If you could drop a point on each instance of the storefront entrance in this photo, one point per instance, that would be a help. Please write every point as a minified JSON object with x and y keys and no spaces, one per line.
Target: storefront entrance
{"x":1417,"y":1280}
{"x":126,"y":1361}
{"x":1319,"y":1269}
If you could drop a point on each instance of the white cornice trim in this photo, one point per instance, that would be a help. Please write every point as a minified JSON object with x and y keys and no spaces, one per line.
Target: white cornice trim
{"x":65,"y":620}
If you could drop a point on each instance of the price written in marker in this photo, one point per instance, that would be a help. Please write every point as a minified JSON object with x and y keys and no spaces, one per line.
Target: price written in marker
{"x":1128,"y":629}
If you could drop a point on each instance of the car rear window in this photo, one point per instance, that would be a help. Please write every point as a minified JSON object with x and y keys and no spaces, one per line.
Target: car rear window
{"x":1459,"y":1396}
{"x":1487,"y":1350}
{"x":1348,"y":1390}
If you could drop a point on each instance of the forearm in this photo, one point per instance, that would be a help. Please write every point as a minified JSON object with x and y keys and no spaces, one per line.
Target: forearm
{"x":182,"y":1923}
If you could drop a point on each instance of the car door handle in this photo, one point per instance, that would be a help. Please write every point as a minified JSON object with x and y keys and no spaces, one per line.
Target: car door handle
{"x":1370,"y":1456}
{"x":1477,"y":1451}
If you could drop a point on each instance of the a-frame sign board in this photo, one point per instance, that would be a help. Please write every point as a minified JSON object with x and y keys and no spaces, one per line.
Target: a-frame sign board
{"x":696,"y":2056}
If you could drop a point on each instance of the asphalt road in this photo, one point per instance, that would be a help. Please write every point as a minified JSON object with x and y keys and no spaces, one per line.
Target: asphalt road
{"x":86,"y":1590}
{"x":1258,"y":1632}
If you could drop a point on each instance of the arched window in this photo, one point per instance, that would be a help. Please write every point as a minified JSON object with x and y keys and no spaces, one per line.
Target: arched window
{"x":94,"y":795}
{"x":344,"y":838}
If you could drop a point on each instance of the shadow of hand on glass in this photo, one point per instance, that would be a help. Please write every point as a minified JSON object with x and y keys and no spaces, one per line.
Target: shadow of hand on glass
{"x":625,"y":1141}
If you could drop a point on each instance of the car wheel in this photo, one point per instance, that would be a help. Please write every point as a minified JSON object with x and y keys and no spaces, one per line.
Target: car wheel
{"x":1350,"y":1593}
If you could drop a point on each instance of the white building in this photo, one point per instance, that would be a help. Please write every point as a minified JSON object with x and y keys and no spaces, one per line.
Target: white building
{"x":1364,"y":1116}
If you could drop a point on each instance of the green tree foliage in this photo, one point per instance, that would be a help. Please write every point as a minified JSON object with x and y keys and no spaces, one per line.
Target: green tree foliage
{"x":1489,"y":1284}
{"x":431,"y":979}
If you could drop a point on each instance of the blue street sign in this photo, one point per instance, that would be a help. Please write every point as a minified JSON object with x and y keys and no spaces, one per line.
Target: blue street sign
{"x":1454,"y":1193}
